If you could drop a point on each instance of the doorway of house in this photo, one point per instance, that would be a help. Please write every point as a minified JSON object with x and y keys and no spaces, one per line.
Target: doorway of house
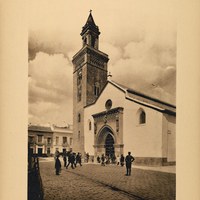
{"x":39,"y":152}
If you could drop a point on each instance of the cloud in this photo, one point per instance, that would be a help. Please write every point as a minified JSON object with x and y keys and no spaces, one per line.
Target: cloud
{"x":146,"y":65}
{"x":139,"y":37}
{"x":50,"y":86}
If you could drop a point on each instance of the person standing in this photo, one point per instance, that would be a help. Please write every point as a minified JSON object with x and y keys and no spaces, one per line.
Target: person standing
{"x":57,"y":165}
{"x":122,"y":160}
{"x":102,"y":160}
{"x":87,"y":157}
{"x":98,"y":159}
{"x":78,"y":159}
{"x":65,"y":158}
{"x":129,"y":159}
{"x":57,"y":153}
{"x":71,"y":160}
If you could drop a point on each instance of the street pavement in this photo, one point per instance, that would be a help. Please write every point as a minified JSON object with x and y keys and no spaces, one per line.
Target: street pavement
{"x":96,"y":182}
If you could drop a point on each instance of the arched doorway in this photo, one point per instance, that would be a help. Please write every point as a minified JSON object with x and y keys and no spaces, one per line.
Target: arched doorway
{"x":109,"y":146}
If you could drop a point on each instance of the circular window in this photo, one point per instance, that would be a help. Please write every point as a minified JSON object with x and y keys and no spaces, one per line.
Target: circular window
{"x":108,"y":104}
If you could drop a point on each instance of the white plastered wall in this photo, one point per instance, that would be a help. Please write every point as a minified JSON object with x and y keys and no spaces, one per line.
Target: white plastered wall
{"x":110,"y":92}
{"x":143,"y":140}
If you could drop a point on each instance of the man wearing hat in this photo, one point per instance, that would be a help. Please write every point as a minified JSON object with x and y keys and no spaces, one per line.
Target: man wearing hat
{"x":129,"y":159}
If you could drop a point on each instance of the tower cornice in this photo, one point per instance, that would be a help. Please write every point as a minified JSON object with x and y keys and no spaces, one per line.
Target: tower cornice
{"x":90,"y":50}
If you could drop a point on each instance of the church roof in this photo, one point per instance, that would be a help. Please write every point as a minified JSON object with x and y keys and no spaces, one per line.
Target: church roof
{"x":142,"y":99}
{"x":90,"y":25}
{"x":146,"y":100}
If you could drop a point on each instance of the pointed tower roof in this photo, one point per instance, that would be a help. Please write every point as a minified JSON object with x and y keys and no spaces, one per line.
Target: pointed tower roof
{"x":90,"y":25}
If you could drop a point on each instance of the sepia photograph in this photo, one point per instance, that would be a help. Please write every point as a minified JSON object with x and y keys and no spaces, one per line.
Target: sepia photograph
{"x":102,"y":100}
{"x":99,"y":100}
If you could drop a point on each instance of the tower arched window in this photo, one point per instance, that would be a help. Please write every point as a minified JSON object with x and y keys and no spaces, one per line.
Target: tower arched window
{"x":85,"y":41}
{"x":92,"y":41}
{"x":142,"y":117}
{"x":96,"y":89}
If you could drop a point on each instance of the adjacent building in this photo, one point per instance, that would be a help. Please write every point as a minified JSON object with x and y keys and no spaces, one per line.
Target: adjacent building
{"x":45,"y":140}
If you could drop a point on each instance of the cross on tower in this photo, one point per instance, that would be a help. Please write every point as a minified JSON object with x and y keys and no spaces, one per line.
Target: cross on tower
{"x":90,"y":11}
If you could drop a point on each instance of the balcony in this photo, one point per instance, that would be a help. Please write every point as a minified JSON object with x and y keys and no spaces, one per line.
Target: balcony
{"x":40,"y":143}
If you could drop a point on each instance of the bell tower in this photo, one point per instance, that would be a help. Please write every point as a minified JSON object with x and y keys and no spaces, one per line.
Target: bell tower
{"x":89,"y":78}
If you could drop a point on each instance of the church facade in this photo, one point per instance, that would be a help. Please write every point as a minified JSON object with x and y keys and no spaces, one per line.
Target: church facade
{"x":112,"y":119}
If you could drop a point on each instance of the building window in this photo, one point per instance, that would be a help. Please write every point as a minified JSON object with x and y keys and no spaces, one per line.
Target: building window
{"x":108,"y":104}
{"x":90,"y":125}
{"x":48,"y":140}
{"x":70,"y":141}
{"x":85,"y":41}
{"x":79,"y":77}
{"x":39,"y":138}
{"x":64,"y":140}
{"x":96,"y":89}
{"x":79,"y":135}
{"x":92,"y":41}
{"x":79,"y":93}
{"x":48,"y":150}
{"x":57,"y":140}
{"x":30,"y":139}
{"x":79,"y":117}
{"x":142,"y":119}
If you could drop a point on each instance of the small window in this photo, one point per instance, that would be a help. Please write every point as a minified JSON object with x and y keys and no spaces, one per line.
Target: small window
{"x":64,"y":140}
{"x":85,"y":40}
{"x":39,"y":138}
{"x":70,"y":141}
{"x":48,"y":150}
{"x":48,"y":140}
{"x":31,"y":139}
{"x":108,"y":104}
{"x":79,"y":117}
{"x":79,"y":135}
{"x":93,"y":41}
{"x":79,"y":93}
{"x":90,"y":125}
{"x":57,"y":140}
{"x":142,"y":119}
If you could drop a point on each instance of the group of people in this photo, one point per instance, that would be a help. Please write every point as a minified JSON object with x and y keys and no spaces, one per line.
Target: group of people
{"x":69,"y":158}
{"x":120,"y":161}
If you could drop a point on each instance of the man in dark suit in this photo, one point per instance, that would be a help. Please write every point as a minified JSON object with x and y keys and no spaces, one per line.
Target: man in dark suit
{"x":129,"y":159}
{"x":57,"y":165}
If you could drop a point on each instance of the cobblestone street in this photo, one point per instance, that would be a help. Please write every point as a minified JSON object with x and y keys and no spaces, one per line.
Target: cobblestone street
{"x":95,"y":182}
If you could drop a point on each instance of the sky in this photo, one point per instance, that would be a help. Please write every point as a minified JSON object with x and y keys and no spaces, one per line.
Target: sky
{"x":138,"y":35}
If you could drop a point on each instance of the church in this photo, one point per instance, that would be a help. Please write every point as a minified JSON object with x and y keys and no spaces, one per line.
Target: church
{"x":112,"y":119}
